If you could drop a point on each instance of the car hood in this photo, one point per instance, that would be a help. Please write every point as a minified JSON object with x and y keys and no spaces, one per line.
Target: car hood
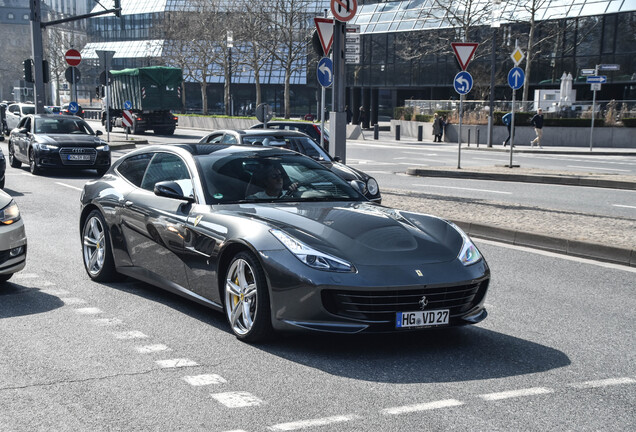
{"x":69,"y":140}
{"x":345,"y":172}
{"x":363,"y":232}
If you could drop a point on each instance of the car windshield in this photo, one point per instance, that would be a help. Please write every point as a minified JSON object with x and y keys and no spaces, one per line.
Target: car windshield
{"x":299,"y":144}
{"x":28,"y":110}
{"x":249,"y":177}
{"x":62,"y":125}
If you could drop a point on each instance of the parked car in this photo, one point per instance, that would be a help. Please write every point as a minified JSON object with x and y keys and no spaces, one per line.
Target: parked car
{"x":53,"y":109}
{"x":300,"y":143}
{"x":311,"y":129}
{"x":65,"y":110}
{"x":15,"y":112}
{"x":13,"y":240}
{"x":52,"y":141}
{"x":204,"y":222}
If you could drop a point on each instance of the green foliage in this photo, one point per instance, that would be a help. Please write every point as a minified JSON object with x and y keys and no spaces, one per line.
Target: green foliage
{"x":403,"y":113}
{"x":629,"y":122}
{"x":423,"y":117}
{"x":522,"y":118}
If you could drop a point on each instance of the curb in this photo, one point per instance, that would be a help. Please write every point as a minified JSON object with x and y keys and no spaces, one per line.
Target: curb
{"x":525,"y":178}
{"x":576,"y":248}
{"x":124,"y":145}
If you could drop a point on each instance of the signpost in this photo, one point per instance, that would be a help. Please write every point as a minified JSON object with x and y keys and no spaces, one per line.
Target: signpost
{"x":516,"y":78}
{"x":73,"y":58}
{"x":463,"y":83}
{"x":324,"y":72}
{"x":104,"y":58}
{"x":352,"y":44}
{"x":127,"y":119}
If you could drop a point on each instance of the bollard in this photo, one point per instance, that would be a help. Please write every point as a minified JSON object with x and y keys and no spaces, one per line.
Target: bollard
{"x":468,"y":142}
{"x":397,"y":132}
{"x":420,"y":132}
{"x":376,"y":131}
{"x":477,"y":138}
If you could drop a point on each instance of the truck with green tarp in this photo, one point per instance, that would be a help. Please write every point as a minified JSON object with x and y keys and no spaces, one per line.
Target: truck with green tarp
{"x":149,"y":94}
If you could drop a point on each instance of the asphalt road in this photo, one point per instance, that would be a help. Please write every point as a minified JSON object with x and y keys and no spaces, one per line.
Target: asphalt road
{"x":554,"y":354}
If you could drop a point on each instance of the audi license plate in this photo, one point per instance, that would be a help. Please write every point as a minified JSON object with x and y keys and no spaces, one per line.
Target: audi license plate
{"x":79,"y":157}
{"x":422,"y":318}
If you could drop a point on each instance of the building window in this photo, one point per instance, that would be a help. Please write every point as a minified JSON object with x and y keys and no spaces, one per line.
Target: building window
{"x":10,"y":16}
{"x":25,"y":17}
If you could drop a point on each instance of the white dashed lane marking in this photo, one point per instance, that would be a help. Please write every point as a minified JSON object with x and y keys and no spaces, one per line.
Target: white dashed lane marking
{"x":603,"y":383}
{"x":422,"y":407}
{"x":152,"y":348}
{"x":176,"y":363}
{"x":134,"y":334}
{"x":73,"y":301}
{"x":204,"y":380}
{"x":516,"y":393}
{"x":108,"y":321}
{"x":462,"y":188}
{"x":89,"y":311}
{"x":68,"y":186}
{"x":304,"y":424}
{"x":237,"y":399}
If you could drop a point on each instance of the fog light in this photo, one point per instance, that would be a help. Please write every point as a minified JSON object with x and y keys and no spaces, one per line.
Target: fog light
{"x":16,"y":251}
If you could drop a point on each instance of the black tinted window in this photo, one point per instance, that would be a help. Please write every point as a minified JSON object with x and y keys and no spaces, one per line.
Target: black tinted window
{"x":133,"y":168}
{"x":164,"y":167}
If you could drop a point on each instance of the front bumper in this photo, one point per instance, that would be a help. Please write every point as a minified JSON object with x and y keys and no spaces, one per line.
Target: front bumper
{"x":62,"y":159}
{"x":302,"y":298}
{"x":13,"y":248}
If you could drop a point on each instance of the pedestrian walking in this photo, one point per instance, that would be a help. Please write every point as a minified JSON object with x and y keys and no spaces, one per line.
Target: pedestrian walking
{"x":537,"y":122}
{"x":507,"y":120}
{"x":362,"y":117}
{"x":437,"y":128}
{"x":349,"y":114}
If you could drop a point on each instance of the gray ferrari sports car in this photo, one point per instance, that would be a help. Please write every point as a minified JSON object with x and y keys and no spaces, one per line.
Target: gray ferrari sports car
{"x":278,"y":242}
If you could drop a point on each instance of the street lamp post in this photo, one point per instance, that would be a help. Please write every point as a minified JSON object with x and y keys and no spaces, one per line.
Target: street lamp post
{"x":494,"y":24}
{"x":229,"y":109}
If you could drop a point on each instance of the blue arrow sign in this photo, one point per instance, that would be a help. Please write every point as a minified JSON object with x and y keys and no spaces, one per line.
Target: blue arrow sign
{"x":516,"y":77}
{"x":463,"y":82}
{"x":325,"y":72}
{"x":73,"y":107}
{"x":128,"y":105}
{"x":597,"y":79}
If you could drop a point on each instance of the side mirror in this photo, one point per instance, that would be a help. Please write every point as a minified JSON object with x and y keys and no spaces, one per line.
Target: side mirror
{"x":98,"y":133}
{"x":337,"y":158}
{"x":171,"y":189}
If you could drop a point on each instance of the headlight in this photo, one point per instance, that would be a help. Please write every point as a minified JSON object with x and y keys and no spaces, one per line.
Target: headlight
{"x":310,"y":256}
{"x":48,"y":147}
{"x":372,"y":186}
{"x":105,"y":147}
{"x":469,"y":254}
{"x":10,"y":214}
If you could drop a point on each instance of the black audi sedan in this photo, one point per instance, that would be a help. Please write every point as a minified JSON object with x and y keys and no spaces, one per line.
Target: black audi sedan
{"x":278,"y":242}
{"x":298,"y":142}
{"x":46,"y":141}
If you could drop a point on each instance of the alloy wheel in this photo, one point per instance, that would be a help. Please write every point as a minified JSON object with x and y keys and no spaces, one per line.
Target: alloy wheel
{"x":94,"y":246}
{"x":241,"y":296}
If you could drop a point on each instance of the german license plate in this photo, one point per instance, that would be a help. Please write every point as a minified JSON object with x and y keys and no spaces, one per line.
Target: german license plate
{"x":422,"y":318}
{"x":79,"y":157}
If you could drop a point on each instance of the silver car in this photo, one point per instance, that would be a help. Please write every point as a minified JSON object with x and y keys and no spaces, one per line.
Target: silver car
{"x":13,"y":241}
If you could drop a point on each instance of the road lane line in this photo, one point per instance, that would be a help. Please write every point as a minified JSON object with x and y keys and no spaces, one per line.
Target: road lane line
{"x":624,"y":206}
{"x":461,"y":188}
{"x":176,"y":363}
{"x":595,"y":168}
{"x":304,"y":424}
{"x":73,"y":301}
{"x":68,"y":186}
{"x":108,"y":321}
{"x":516,"y":393}
{"x":237,"y":399}
{"x":603,"y":383}
{"x":25,"y":276}
{"x":447,"y":403}
{"x":203,"y":380}
{"x":89,"y":311}
{"x":151,"y":348}
{"x":134,"y":334}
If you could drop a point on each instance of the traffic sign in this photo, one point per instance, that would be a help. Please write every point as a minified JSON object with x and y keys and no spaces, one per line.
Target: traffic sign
{"x":587,"y":72}
{"x":595,"y":86}
{"x":516,"y":77}
{"x":600,"y":79}
{"x":463,"y":82}
{"x":517,"y":56}
{"x":609,"y":67}
{"x":464,"y":52}
{"x":324,"y":72}
{"x":73,"y":57}
{"x":324,"y":27}
{"x":352,"y":44}
{"x":70,"y":73}
{"x":127,"y":119}
{"x":73,"y":107}
{"x":127,"y":105}
{"x":263,"y":114}
{"x":344,"y":10}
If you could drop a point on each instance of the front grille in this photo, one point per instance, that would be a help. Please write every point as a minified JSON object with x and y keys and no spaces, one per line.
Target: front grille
{"x":66,"y":152}
{"x":381,"y":306}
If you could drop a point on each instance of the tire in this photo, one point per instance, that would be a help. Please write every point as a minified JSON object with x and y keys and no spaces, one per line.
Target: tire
{"x":13,"y":161}
{"x":33,"y":165}
{"x":96,"y":249}
{"x":5,"y":277}
{"x":247,"y":306}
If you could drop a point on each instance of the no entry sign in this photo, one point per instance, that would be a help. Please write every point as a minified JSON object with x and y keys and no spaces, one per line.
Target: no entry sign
{"x":73,"y":57}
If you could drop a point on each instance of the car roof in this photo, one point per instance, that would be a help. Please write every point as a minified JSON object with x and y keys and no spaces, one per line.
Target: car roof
{"x":261,"y":132}
{"x":206,"y":149}
{"x":53,"y":116}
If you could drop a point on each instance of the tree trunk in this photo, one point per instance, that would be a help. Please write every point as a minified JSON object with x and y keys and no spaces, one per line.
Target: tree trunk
{"x":226,"y":92}
{"x":287,"y":98}
{"x":204,"y":95}
{"x":526,"y":83}
{"x":257,"y":83}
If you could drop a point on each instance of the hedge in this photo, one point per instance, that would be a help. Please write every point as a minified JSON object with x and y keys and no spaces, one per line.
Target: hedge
{"x":629,"y":122}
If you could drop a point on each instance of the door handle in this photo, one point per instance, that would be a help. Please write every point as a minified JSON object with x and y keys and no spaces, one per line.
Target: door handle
{"x":128,"y":203}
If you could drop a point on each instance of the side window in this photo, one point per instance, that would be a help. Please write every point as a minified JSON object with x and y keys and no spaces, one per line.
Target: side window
{"x":229,"y":139}
{"x":27,"y":123}
{"x":214,"y":139}
{"x":22,"y":122}
{"x":14,"y":109}
{"x":133,"y":168}
{"x":164,"y":167}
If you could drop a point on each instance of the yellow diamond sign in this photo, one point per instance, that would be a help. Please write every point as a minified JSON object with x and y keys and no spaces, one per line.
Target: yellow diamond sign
{"x":517,"y":55}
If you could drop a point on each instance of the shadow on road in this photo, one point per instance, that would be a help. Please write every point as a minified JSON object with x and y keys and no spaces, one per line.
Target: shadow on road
{"x":17,"y":300}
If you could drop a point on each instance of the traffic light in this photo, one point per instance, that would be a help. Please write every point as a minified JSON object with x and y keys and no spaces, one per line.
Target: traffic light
{"x":117,"y":8}
{"x":28,"y":70}
{"x":45,"y":71}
